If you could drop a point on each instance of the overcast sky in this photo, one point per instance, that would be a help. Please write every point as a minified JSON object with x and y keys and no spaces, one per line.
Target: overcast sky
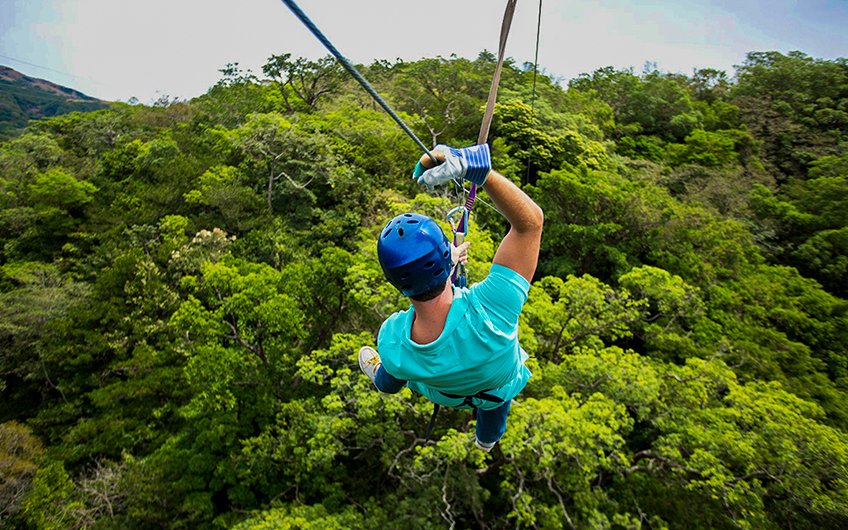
{"x":115,"y":49}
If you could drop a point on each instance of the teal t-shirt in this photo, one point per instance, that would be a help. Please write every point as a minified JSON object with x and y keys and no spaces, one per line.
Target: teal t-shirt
{"x":477,"y":351}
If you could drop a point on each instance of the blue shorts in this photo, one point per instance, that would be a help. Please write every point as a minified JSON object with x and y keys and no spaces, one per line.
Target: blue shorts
{"x":491,"y":424}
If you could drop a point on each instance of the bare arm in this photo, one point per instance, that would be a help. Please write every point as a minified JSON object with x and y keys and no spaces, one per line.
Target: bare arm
{"x":519,"y":249}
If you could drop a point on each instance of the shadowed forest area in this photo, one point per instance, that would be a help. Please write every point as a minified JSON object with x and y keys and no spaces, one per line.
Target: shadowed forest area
{"x":184,"y":288}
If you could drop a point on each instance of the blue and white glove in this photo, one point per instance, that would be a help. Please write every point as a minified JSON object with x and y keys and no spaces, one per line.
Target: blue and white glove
{"x":470,"y":163}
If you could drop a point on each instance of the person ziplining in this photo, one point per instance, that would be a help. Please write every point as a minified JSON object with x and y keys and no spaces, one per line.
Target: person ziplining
{"x":457,"y":346}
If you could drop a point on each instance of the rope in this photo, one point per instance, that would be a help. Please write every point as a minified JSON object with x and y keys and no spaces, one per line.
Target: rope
{"x":355,"y":73}
{"x":493,"y":91}
{"x":462,"y":226}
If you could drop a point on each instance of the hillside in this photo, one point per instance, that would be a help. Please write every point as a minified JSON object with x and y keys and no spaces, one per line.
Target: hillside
{"x":23,"y":98}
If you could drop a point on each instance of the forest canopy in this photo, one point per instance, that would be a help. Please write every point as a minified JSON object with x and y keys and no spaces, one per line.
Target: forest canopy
{"x":184,"y":288}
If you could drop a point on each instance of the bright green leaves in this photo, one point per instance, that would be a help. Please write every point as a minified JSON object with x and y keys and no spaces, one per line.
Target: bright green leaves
{"x":708,"y":149}
{"x":41,"y":203}
{"x":653,"y":104}
{"x":157,"y":153}
{"x":249,"y":310}
{"x":51,"y":503}
{"x":578,"y":311}
{"x":338,"y":415}
{"x":671,"y":310}
{"x":290,"y":161}
{"x":669,"y":296}
{"x":57,"y":189}
{"x":558,"y":447}
{"x":626,"y":377}
{"x":222,"y":189}
{"x":750,"y":444}
{"x":21,"y":160}
{"x":241,"y":335}
{"x":300,"y":517}
{"x":347,"y":395}
{"x":533,"y":140}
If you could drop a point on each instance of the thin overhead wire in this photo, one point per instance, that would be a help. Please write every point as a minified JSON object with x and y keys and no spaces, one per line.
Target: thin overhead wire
{"x":536,"y":57}
{"x":535,"y":72}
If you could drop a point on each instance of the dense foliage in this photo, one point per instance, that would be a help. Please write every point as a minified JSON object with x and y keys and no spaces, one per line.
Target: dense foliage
{"x":184,"y":288}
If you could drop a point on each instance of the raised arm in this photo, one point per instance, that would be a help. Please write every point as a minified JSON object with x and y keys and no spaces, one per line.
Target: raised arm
{"x":519,"y":249}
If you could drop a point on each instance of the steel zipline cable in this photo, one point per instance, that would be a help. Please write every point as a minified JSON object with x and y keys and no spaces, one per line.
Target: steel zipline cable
{"x":355,"y":73}
{"x":460,"y":227}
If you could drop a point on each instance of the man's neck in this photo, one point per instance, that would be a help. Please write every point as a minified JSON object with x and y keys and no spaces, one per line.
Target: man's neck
{"x":430,"y":317}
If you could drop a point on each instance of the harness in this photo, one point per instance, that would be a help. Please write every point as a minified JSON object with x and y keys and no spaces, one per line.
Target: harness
{"x":468,"y":401}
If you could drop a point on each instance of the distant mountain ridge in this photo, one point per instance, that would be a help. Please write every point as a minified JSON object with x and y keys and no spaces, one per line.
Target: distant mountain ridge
{"x":23,"y":98}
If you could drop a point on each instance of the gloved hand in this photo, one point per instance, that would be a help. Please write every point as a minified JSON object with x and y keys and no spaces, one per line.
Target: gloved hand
{"x":469,"y":163}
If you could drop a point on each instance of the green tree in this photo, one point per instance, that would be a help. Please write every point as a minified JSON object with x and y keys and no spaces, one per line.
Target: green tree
{"x":794,"y":104}
{"x":307,"y":81}
{"x":288,"y":161}
{"x":20,"y":453}
{"x":33,"y":315}
{"x":447,"y":96}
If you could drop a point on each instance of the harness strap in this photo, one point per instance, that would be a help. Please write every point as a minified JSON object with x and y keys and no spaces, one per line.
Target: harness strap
{"x":462,"y":226}
{"x":467,"y":400}
{"x":493,"y":91}
{"x":432,"y":422}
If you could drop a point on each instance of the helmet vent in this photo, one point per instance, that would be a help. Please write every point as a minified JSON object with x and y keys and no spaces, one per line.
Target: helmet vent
{"x":387,"y":232}
{"x":429,"y":264}
{"x":400,"y":232}
{"x":412,"y":221}
{"x":445,"y":254}
{"x":405,"y":275}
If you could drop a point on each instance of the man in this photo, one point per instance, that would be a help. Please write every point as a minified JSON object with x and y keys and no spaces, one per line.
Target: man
{"x":458,"y":347}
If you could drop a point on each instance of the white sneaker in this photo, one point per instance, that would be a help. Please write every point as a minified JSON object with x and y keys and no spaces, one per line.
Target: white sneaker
{"x":369,"y":362}
{"x":483,"y":446}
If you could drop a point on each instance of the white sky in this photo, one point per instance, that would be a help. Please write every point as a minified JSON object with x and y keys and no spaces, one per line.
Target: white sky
{"x":115,"y":49}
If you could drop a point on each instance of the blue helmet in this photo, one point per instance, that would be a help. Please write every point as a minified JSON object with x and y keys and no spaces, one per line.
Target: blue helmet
{"x":415,"y":254}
